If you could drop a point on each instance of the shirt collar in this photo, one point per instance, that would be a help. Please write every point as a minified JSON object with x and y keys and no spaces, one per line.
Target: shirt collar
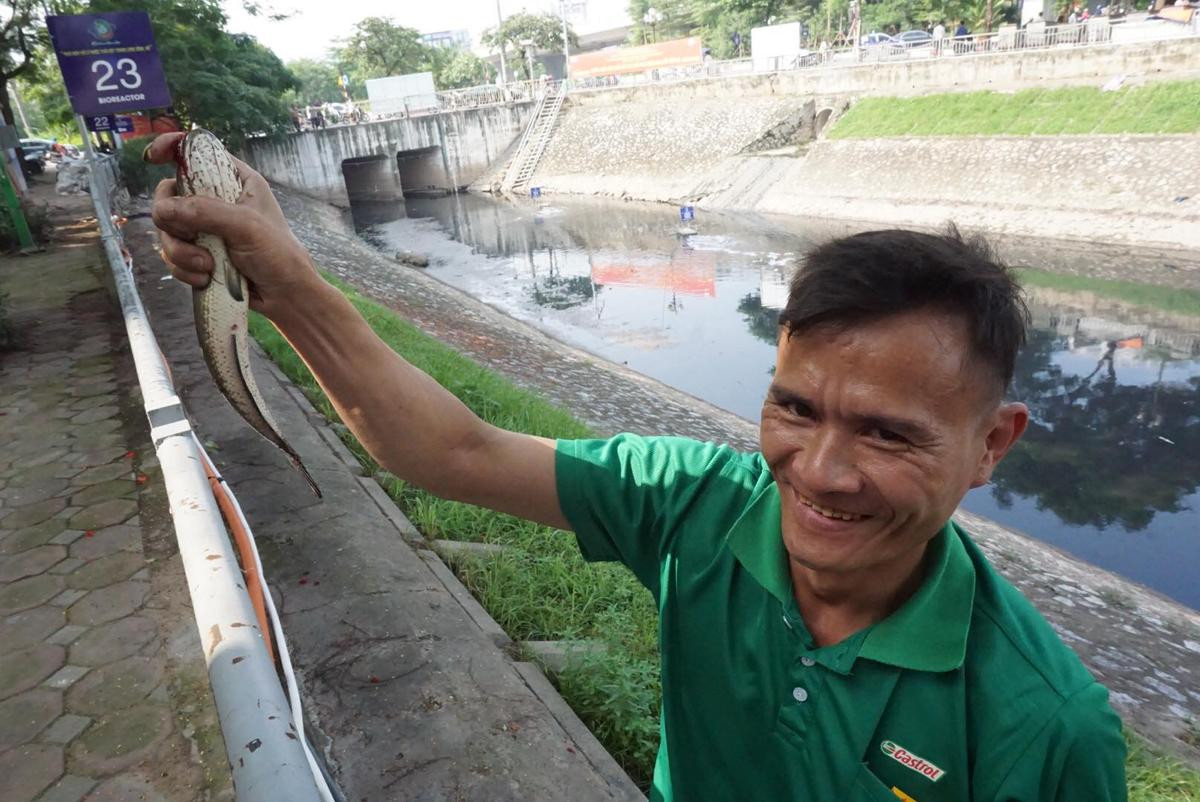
{"x":928,"y":632}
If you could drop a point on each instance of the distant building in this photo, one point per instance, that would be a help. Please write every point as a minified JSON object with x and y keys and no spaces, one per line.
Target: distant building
{"x":597,"y":23}
{"x":460,"y":38}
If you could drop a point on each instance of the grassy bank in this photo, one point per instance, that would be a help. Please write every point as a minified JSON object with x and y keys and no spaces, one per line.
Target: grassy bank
{"x":1166,"y":299}
{"x":540,"y":588}
{"x":1170,"y":107}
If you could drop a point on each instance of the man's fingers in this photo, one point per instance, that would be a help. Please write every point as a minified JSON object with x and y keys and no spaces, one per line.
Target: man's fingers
{"x":164,"y":194}
{"x":162,"y":149}
{"x":187,"y":217}
{"x":189,"y":263}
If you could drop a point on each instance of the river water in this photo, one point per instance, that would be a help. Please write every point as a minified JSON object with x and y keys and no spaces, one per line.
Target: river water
{"x":1110,"y":466}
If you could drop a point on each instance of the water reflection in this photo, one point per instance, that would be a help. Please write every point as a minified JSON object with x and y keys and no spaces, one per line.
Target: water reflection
{"x":1109,"y":468}
{"x":1113,"y":435}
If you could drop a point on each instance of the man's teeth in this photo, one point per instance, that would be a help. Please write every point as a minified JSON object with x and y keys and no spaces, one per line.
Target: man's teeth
{"x":829,"y":512}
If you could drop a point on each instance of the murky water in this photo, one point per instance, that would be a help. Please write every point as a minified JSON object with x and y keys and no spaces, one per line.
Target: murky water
{"x":1110,"y":466}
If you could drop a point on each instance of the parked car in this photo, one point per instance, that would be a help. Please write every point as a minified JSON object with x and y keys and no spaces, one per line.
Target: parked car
{"x":915,"y":38}
{"x":34,"y":153}
{"x":877,"y":46}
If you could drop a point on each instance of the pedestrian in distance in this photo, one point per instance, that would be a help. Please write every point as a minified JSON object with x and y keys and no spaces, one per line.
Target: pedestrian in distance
{"x":960,"y":37}
{"x":939,"y":34}
{"x":827,"y":631}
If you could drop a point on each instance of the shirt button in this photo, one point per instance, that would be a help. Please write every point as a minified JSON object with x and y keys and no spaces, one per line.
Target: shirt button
{"x":787,"y":623}
{"x":799,"y":694}
{"x":807,"y":661}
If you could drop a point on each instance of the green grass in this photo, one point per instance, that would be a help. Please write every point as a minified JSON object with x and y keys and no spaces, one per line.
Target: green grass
{"x":1166,"y":299}
{"x":541,"y":589}
{"x":1171,"y":107}
{"x":1155,"y":777}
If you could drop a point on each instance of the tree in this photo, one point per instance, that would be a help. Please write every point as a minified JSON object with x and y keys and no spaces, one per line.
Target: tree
{"x":44,"y":95}
{"x":457,"y":68}
{"x":678,"y":20}
{"x":225,"y":82}
{"x":317,"y":79}
{"x":21,"y":34}
{"x":379,"y":48}
{"x":525,"y":32}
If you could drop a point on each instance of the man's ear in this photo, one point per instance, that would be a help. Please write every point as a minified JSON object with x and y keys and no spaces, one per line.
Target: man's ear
{"x":1006,"y":425}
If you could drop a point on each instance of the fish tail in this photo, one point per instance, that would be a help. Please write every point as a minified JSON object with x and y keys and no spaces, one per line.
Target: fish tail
{"x":295,"y":458}
{"x":307,"y":477}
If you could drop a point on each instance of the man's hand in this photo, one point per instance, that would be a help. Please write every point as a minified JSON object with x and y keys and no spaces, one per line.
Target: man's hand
{"x":255,"y":232}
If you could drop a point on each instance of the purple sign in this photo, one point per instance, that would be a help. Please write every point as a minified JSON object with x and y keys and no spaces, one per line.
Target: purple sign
{"x":110,"y":122}
{"x":109,"y":62}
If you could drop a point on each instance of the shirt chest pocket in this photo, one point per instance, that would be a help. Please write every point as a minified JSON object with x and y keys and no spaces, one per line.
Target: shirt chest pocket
{"x":869,"y":788}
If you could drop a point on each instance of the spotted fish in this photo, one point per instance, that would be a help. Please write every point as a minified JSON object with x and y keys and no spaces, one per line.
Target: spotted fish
{"x":204,"y":167}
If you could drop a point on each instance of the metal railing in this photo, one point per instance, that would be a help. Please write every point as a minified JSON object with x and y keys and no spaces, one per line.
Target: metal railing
{"x":1098,"y":31}
{"x":267,"y":761}
{"x":472,"y":97}
{"x":1095,"y":32}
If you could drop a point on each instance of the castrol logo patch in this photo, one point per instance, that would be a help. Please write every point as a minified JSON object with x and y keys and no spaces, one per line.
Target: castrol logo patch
{"x":906,"y":758}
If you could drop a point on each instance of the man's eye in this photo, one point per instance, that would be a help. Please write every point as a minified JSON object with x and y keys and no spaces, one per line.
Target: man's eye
{"x":887,"y":435}
{"x":800,"y":410}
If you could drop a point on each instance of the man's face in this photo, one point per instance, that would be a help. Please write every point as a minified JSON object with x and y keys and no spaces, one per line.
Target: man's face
{"x":875,"y":433}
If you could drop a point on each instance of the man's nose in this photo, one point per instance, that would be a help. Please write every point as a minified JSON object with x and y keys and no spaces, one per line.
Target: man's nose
{"x":827,"y":463}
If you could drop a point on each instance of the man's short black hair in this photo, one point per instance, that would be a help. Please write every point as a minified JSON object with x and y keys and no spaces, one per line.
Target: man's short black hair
{"x":876,"y":274}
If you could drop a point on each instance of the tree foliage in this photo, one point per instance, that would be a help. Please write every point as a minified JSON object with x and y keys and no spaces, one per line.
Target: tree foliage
{"x":22,"y":36}
{"x":716,"y":21}
{"x":226,"y":82}
{"x":524,"y":32}
{"x":317,"y":82}
{"x":379,"y":47}
{"x":456,"y":68}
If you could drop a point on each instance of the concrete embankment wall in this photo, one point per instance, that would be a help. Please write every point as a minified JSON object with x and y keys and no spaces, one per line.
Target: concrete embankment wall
{"x":1174,"y":59}
{"x":1143,"y":189}
{"x":382,"y":160}
{"x":660,"y":148}
{"x":747,"y":143}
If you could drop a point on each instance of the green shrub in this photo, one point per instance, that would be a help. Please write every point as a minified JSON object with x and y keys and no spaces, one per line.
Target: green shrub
{"x":140,"y":177}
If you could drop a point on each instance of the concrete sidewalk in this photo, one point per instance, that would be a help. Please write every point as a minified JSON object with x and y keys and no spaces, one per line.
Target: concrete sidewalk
{"x":103,"y":689}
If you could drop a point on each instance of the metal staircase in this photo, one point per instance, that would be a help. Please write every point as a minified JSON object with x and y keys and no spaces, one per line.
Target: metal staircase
{"x":533,"y":141}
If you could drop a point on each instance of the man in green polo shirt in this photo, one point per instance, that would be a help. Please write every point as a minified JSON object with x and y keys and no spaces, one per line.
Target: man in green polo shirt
{"x":827,"y":634}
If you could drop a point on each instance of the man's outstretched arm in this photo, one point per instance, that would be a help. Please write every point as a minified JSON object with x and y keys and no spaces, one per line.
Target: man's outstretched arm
{"x":410,"y":424}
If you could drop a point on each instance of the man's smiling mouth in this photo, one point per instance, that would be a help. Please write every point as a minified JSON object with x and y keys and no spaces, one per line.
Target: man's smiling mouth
{"x":830,"y":512}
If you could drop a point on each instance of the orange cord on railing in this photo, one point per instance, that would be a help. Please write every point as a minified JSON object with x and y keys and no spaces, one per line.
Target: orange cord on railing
{"x":249,"y":571}
{"x":242,"y":538}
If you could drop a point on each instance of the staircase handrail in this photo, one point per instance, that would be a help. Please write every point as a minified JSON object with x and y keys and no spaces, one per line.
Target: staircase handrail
{"x":531,"y":160}
{"x":515,"y":165}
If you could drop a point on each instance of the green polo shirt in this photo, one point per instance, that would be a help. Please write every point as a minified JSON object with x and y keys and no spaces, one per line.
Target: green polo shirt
{"x":964,"y":693}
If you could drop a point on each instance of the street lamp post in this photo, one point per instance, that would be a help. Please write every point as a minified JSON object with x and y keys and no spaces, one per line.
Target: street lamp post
{"x":527,"y":44}
{"x":499,"y":25}
{"x":653,"y":17}
{"x":562,"y":10}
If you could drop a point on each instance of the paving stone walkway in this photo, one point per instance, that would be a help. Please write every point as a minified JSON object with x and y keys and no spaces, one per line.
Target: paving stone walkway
{"x":95,"y":703}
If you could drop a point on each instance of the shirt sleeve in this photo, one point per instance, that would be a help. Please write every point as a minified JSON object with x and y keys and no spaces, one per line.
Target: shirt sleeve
{"x":1079,"y":756}
{"x":626,"y":497}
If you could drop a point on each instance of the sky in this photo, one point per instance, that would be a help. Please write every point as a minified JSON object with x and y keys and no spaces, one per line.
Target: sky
{"x":316,"y":24}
